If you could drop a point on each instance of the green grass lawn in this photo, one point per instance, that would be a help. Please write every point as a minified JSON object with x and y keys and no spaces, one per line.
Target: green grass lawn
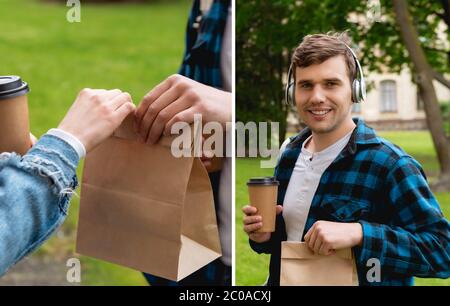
{"x":252,"y":268}
{"x":128,"y":46}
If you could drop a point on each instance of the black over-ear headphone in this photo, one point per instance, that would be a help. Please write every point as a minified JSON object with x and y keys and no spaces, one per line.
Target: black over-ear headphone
{"x":358,"y":86}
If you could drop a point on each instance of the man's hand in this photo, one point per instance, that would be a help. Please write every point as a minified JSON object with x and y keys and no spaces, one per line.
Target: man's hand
{"x":95,"y":114}
{"x":177,"y":99}
{"x":253,"y":222}
{"x":325,"y":237}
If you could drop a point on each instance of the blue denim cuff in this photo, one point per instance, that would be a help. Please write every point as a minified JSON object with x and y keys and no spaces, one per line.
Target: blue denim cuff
{"x":56,"y":159}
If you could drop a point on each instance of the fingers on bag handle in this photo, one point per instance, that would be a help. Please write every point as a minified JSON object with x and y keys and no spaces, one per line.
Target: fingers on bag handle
{"x":123,"y":111}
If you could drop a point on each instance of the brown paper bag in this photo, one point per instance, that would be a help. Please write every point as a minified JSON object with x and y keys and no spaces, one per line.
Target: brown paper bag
{"x":145,"y":209}
{"x":301,"y":267}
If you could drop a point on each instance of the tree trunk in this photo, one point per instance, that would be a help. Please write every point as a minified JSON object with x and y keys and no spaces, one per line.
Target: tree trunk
{"x":424,"y":78}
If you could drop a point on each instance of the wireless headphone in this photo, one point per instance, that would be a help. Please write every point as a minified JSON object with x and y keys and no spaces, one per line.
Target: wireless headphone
{"x":358,"y":86}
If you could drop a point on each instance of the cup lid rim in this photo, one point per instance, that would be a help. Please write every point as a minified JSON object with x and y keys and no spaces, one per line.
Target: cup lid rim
{"x":13,"y":92}
{"x":265,"y":180}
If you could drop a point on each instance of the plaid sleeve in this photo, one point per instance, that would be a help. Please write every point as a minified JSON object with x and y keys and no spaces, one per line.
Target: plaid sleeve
{"x":416,"y":241}
{"x":264,"y":247}
{"x":273,"y":243}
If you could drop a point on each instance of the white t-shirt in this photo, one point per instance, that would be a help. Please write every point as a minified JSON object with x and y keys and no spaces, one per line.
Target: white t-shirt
{"x":303,"y":184}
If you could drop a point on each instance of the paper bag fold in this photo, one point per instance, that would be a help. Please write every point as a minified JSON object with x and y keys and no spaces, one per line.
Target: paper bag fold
{"x":143,"y":208}
{"x":301,"y":267}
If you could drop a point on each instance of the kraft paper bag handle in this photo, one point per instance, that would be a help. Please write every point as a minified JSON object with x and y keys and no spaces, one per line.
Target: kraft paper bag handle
{"x":299,"y":250}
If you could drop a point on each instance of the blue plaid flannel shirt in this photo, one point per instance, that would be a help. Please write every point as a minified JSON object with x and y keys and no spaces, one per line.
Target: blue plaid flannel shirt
{"x":201,"y":60}
{"x":377,"y":184}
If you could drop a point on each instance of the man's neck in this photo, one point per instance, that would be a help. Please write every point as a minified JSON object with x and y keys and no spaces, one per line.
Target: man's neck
{"x":321,"y":141}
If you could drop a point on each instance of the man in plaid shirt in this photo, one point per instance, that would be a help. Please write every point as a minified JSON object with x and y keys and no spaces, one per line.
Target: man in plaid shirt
{"x":355,"y":189}
{"x":203,"y":86}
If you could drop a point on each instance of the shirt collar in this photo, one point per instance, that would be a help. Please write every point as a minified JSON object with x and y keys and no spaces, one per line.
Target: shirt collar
{"x":362,"y":135}
{"x":328,"y":153}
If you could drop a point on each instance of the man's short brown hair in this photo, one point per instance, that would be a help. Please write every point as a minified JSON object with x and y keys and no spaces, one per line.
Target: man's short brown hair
{"x":317,"y":48}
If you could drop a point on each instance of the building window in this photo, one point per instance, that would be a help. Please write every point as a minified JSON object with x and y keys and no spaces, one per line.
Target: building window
{"x":388,"y":94}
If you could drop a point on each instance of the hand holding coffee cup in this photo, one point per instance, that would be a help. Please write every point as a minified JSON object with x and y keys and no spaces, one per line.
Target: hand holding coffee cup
{"x":253,"y":223}
{"x":263,"y":197}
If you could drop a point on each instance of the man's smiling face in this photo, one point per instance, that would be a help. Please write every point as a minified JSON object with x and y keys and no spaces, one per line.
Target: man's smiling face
{"x":323,"y":94}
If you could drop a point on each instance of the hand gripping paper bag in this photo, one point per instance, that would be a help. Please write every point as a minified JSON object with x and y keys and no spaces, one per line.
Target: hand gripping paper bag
{"x":146,"y":209}
{"x":300,"y":266}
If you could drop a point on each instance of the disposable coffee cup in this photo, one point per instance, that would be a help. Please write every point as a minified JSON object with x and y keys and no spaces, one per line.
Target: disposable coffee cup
{"x":262,"y":192}
{"x":14,"y":124}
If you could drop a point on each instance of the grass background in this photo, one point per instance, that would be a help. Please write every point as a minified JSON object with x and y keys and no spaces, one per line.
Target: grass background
{"x":128,"y":46}
{"x":252,"y":268}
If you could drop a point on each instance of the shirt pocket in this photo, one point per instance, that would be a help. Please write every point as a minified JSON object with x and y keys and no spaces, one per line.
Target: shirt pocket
{"x":344,"y":209}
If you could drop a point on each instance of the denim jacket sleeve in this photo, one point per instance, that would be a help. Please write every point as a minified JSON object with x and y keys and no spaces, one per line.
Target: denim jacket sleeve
{"x":35,"y":191}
